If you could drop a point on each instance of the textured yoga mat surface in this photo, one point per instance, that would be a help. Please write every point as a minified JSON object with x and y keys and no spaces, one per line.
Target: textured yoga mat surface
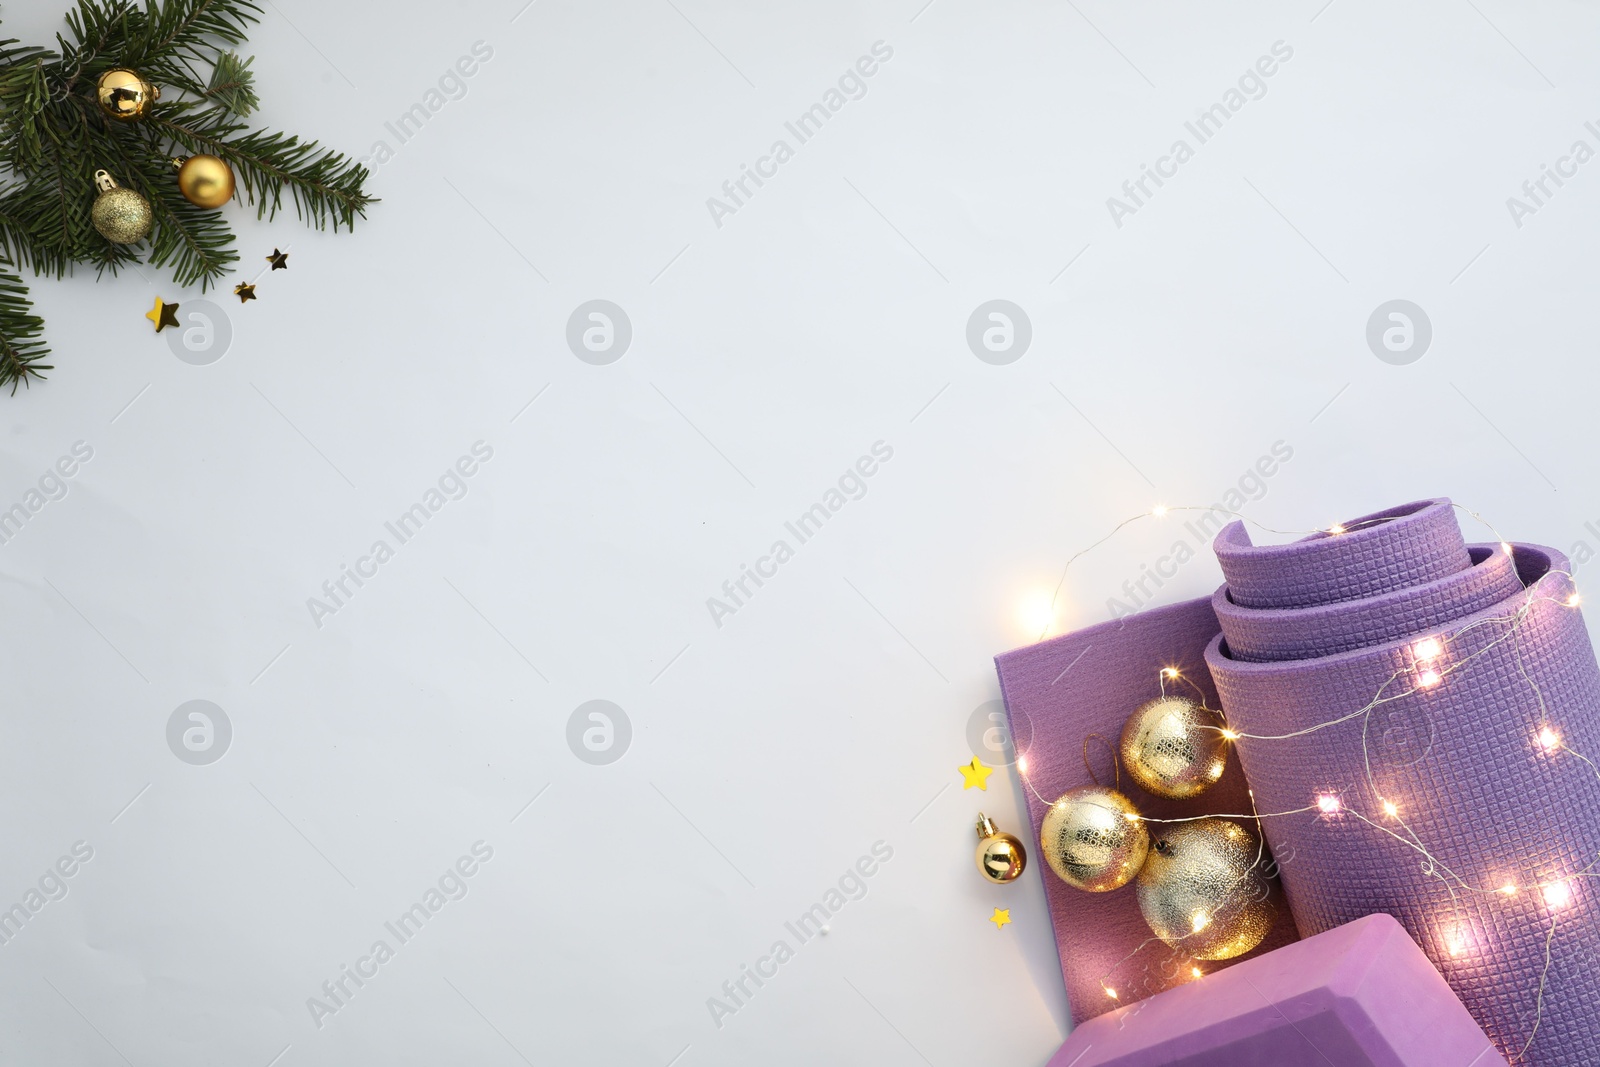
{"x":1057,"y":693}
{"x":1318,"y":629}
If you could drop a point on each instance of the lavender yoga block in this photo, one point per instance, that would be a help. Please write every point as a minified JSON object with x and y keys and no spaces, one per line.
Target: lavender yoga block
{"x":1315,"y":630}
{"x":1360,"y":995}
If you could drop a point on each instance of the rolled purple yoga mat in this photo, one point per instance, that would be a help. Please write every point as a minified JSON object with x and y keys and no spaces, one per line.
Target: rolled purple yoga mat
{"x":1476,"y":743}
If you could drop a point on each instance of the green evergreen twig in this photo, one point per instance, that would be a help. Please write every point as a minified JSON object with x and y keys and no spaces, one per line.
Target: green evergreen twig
{"x":53,"y":137}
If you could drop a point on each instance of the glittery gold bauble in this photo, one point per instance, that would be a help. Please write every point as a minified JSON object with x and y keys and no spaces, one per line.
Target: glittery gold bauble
{"x":205,"y":181}
{"x":1203,"y":892}
{"x":121,"y":215}
{"x":125,"y":96}
{"x":1173,"y":747}
{"x":1093,"y":838}
{"x":1001,"y":857}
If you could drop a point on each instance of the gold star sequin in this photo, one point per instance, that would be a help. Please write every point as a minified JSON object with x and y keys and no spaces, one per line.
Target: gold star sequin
{"x":279,"y":260}
{"x":244,"y":291}
{"x":975,"y":774}
{"x":163,"y":314}
{"x":1000,"y":917}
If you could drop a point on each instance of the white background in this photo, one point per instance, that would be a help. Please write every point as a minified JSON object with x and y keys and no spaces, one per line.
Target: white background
{"x":768,"y":354}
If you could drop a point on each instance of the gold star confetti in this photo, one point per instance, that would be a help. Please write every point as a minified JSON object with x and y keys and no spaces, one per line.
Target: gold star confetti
{"x":244,"y":291}
{"x":279,"y":260}
{"x":1000,"y":917}
{"x":975,"y":774}
{"x":163,"y":314}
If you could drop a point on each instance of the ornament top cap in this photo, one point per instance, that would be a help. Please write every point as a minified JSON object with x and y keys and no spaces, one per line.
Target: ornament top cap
{"x":150,"y":87}
{"x":104,"y":181}
{"x":986,"y":826}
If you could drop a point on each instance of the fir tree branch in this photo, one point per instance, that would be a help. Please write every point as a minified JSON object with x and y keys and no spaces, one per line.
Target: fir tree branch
{"x":19,"y":212}
{"x":232,"y":84}
{"x":93,"y":26}
{"x":197,"y":242}
{"x":325,"y":186}
{"x":188,"y":26}
{"x":21,"y":333}
{"x":24,"y":95}
{"x":54,"y":137}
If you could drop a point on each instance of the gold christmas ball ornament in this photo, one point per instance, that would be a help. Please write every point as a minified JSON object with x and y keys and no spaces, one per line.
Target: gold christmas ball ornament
{"x":1001,"y":857}
{"x":1203,"y":892}
{"x":125,"y":96}
{"x":121,"y":215}
{"x":1173,"y":747}
{"x":1094,"y":839}
{"x":205,"y":181}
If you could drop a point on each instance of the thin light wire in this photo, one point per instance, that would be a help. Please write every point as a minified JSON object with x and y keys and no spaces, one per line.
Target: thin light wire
{"x":1116,"y":763}
{"x":1538,"y":1011}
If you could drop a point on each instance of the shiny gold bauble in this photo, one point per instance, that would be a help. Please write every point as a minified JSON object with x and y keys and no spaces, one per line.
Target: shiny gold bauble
{"x":1094,"y":839}
{"x":125,"y":96}
{"x":1203,"y":892}
{"x":205,"y":181}
{"x":121,"y":215}
{"x":1001,"y":857}
{"x":1173,"y":747}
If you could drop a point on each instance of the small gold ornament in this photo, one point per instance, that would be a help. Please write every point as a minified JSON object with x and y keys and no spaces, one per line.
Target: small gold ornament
{"x":279,"y":260}
{"x":205,"y":181}
{"x":1094,"y":839}
{"x":121,"y":215}
{"x":124,"y":96}
{"x":1001,"y":857}
{"x":1173,"y":747}
{"x":1203,"y":892}
{"x":244,"y":291}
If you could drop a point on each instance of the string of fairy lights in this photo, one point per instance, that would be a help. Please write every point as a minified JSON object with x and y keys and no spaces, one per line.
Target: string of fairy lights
{"x":1430,"y":664}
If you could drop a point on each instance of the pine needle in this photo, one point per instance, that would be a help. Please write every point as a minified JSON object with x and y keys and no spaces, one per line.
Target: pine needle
{"x":53,"y":137}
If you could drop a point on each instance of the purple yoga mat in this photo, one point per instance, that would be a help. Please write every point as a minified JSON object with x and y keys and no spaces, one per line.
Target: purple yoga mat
{"x":1317,"y":629}
{"x":1057,"y":693}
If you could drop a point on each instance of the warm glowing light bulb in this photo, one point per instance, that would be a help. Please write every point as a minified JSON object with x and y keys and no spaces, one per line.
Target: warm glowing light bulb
{"x":1200,"y":921}
{"x":1509,"y":889}
{"x":1036,"y":612}
{"x":1429,"y":678}
{"x":1428,"y":648}
{"x":1197,"y":972}
{"x":1328,"y":804}
{"x":1456,"y":941}
{"x":1169,"y":672}
{"x":1336,"y":529}
{"x":1159,"y":511}
{"x":1558,"y":894}
{"x":1131,"y":816}
{"x":1112,"y":993}
{"x":1230,"y":735}
{"x":1390,"y":809}
{"x":1549,"y":740}
{"x":1572,"y":601}
{"x":1505,"y":547}
{"x":1022,"y":764}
